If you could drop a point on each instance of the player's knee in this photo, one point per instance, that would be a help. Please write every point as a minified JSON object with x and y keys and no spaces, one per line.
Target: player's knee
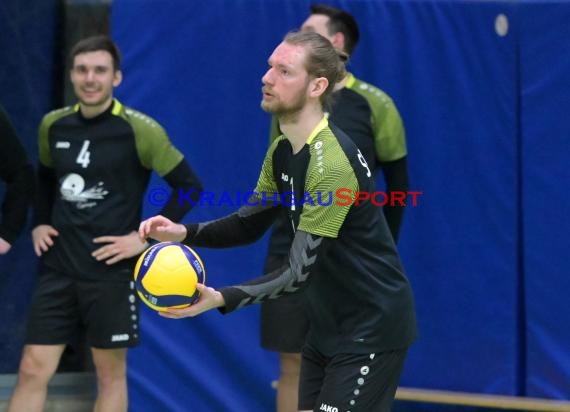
{"x":110,"y":378}
{"x":110,"y":373}
{"x":110,"y":365}
{"x":35,"y":369}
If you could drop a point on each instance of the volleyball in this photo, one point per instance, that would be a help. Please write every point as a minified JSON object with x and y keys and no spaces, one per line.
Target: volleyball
{"x":166,"y":275}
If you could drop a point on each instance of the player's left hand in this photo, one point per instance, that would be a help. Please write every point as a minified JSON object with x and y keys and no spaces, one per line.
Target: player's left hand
{"x":118,"y":248}
{"x":210,"y":298}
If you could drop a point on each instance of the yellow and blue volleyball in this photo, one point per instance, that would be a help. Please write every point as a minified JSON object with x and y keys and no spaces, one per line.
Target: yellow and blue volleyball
{"x":166,"y":276}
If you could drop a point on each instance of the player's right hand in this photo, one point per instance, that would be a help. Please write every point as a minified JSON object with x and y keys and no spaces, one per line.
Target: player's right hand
{"x":42,"y":238}
{"x":210,"y":298}
{"x":162,"y":229}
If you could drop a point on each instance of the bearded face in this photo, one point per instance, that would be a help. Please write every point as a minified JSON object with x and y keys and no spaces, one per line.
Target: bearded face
{"x":286,"y":83}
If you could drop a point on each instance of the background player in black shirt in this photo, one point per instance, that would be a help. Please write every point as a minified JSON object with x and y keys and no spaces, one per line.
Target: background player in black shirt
{"x":95,"y":163}
{"x":360,"y":303}
{"x":17,"y":172}
{"x":385,"y":147}
{"x":370,"y":118}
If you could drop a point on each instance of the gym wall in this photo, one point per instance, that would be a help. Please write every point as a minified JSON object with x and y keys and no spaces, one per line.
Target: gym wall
{"x":482,"y":87}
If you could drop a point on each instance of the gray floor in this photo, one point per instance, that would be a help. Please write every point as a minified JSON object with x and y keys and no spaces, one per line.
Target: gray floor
{"x":68,"y":392}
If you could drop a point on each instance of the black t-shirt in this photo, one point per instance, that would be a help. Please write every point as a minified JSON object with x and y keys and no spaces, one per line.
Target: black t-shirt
{"x":102,"y":167}
{"x":351,"y":112}
{"x":342,"y":255}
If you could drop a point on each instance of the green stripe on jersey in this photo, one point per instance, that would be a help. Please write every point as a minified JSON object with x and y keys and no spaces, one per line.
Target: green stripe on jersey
{"x":389,"y":132}
{"x":329,"y":170}
{"x":266,"y":183}
{"x":153,"y":146}
{"x":43,"y":134}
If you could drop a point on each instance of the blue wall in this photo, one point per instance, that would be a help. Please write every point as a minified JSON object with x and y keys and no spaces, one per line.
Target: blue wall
{"x":460,"y":85}
{"x":545,"y":132}
{"x":27,"y":54}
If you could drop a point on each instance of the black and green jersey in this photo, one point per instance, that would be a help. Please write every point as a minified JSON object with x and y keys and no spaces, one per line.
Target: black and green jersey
{"x":342,"y":255}
{"x":95,"y":173}
{"x":373,"y":122}
{"x":351,"y":112}
{"x":387,"y":126}
{"x":370,"y":118}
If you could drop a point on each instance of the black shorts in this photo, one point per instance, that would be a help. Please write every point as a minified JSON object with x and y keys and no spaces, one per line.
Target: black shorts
{"x":284,"y":322}
{"x":107,"y":310}
{"x":349,"y":382}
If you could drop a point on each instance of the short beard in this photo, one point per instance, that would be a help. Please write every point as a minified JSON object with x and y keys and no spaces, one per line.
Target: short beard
{"x":282,"y":111}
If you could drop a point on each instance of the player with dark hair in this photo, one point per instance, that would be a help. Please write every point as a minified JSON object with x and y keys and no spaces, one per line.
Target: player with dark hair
{"x":338,"y":23}
{"x":370,"y":118}
{"x":342,"y":257}
{"x":387,"y":148}
{"x":96,"y":158}
{"x":17,"y":172}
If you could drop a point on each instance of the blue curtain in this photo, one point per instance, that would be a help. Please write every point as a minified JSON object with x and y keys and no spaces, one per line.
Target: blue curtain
{"x":545,"y":100}
{"x":27,"y":73}
{"x":480,"y":86}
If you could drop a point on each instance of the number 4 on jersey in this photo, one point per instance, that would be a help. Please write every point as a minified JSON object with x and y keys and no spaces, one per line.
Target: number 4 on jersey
{"x":84,"y":154}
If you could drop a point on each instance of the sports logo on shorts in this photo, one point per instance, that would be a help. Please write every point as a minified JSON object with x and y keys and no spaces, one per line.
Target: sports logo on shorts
{"x":120,"y":338}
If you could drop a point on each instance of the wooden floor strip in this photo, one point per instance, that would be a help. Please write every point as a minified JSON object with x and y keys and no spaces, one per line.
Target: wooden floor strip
{"x":480,"y":400}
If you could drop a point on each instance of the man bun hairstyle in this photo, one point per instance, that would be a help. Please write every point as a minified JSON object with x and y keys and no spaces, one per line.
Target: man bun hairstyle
{"x":323,"y":60}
